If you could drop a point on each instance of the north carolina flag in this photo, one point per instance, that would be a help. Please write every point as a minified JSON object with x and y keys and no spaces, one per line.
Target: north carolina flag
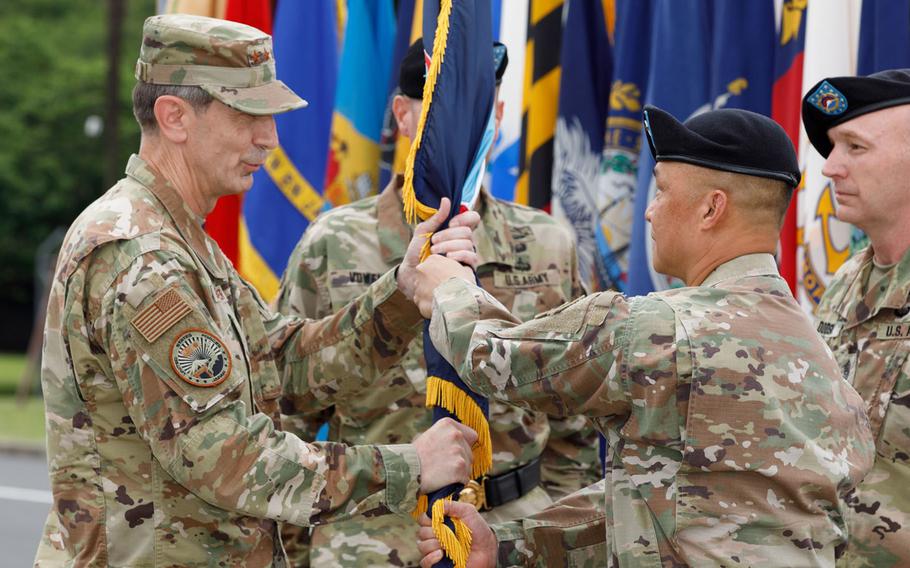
{"x":786,"y":100}
{"x":286,"y":194}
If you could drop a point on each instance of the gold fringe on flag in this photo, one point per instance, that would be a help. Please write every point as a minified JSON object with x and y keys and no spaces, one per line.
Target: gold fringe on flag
{"x":425,"y":249}
{"x":447,"y":395}
{"x":413,"y":208}
{"x":457,"y":545}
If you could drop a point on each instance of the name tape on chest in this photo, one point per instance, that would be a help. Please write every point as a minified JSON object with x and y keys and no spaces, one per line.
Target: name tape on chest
{"x":829,"y":328}
{"x":159,"y":316}
{"x":525,"y":279}
{"x":353,"y":277}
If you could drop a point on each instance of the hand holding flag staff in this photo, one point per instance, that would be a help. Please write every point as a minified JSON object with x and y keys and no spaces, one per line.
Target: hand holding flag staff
{"x":447,"y":155}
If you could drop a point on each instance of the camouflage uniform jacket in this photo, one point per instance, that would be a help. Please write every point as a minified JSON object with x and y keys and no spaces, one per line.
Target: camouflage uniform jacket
{"x":866,"y":324}
{"x":149,"y":469}
{"x":731,"y":434}
{"x":527,"y":261}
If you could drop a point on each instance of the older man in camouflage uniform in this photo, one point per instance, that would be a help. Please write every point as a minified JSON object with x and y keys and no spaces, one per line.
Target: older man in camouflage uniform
{"x":526,"y":260}
{"x":732,"y":435}
{"x":862,"y":126}
{"x":162,"y":368}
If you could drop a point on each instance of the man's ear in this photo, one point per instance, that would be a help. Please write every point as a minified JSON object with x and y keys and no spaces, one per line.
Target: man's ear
{"x":716,"y":203}
{"x":174,"y":115}
{"x":400,"y":111}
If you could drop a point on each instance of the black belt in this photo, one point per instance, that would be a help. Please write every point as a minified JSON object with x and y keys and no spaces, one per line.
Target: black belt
{"x":500,"y":489}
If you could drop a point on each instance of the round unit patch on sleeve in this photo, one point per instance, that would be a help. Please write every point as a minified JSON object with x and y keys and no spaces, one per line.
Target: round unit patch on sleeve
{"x":200,"y":359}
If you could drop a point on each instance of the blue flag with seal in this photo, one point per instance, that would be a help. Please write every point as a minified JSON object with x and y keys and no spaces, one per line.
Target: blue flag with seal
{"x":584,"y":90}
{"x":286,"y":194}
{"x":705,"y":55}
{"x":454,"y":134}
{"x":622,"y":145}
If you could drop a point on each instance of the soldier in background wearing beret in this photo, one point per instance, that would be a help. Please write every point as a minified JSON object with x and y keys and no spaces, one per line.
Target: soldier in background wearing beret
{"x":732,"y":436}
{"x":862,"y":126}
{"x":162,"y":368}
{"x":526,"y":259}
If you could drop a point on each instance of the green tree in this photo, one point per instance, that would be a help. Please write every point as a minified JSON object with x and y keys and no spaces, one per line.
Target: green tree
{"x":53,"y":62}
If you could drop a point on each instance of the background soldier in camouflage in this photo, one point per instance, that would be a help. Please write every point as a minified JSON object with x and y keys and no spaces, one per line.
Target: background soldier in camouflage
{"x":862,"y":126}
{"x":526,"y":260}
{"x":162,"y":368}
{"x":731,"y":434}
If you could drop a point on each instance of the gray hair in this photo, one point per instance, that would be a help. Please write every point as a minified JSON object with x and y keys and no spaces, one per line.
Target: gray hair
{"x":145,"y":95}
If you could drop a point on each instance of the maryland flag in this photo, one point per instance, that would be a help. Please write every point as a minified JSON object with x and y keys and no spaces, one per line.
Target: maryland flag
{"x":540,"y":103}
{"x":447,"y":155}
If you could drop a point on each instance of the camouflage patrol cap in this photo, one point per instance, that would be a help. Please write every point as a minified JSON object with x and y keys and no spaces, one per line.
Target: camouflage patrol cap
{"x":232,"y":62}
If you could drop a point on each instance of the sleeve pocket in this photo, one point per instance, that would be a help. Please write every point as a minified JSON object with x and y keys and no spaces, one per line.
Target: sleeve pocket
{"x":184,"y":349}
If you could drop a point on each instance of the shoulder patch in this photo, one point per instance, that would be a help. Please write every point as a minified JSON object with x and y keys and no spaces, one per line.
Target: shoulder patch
{"x":200,"y":359}
{"x":160,"y":315}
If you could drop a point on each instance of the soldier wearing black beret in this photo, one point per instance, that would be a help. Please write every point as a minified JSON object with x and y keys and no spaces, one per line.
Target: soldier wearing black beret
{"x":732,"y":436}
{"x":862,"y":126}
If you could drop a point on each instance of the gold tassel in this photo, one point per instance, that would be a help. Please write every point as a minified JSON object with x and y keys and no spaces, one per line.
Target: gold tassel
{"x":423,"y":503}
{"x":425,"y":249}
{"x":449,"y":396}
{"x":451,"y":543}
{"x":412,"y":206}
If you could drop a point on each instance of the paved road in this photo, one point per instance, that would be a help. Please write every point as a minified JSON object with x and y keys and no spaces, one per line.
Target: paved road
{"x":25,"y":500}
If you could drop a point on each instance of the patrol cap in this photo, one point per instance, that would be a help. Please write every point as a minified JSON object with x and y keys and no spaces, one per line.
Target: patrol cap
{"x":730,"y":140}
{"x":836,"y":100}
{"x":413,"y":75}
{"x":232,"y":62}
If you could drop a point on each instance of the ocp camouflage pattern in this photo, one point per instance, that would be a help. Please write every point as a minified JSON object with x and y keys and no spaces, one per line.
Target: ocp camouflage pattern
{"x":232,"y":62}
{"x":732,"y":436}
{"x":149,"y":470}
{"x":527,"y":261}
{"x":864,"y":318}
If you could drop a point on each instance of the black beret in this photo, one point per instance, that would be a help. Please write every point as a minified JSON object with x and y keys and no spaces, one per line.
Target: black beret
{"x":413,"y":75}
{"x":731,"y":140}
{"x":836,"y":100}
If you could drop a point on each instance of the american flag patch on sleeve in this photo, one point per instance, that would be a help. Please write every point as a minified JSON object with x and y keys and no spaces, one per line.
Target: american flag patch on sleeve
{"x":160,"y":315}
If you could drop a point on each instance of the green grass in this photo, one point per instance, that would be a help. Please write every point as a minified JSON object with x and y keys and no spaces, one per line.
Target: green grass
{"x":23,"y":423}
{"x":11,"y":367}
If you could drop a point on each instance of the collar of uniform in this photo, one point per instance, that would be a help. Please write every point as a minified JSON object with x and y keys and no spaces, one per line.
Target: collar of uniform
{"x":758,"y":264}
{"x":893,"y":296}
{"x":393,"y":231}
{"x":494,"y":242}
{"x":188,"y":224}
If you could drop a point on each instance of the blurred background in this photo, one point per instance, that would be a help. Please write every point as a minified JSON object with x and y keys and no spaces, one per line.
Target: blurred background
{"x":579,"y":73}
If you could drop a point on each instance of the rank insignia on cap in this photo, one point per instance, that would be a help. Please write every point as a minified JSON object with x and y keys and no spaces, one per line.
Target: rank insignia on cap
{"x":828,"y":99}
{"x":200,"y":359}
{"x":259,"y":55}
